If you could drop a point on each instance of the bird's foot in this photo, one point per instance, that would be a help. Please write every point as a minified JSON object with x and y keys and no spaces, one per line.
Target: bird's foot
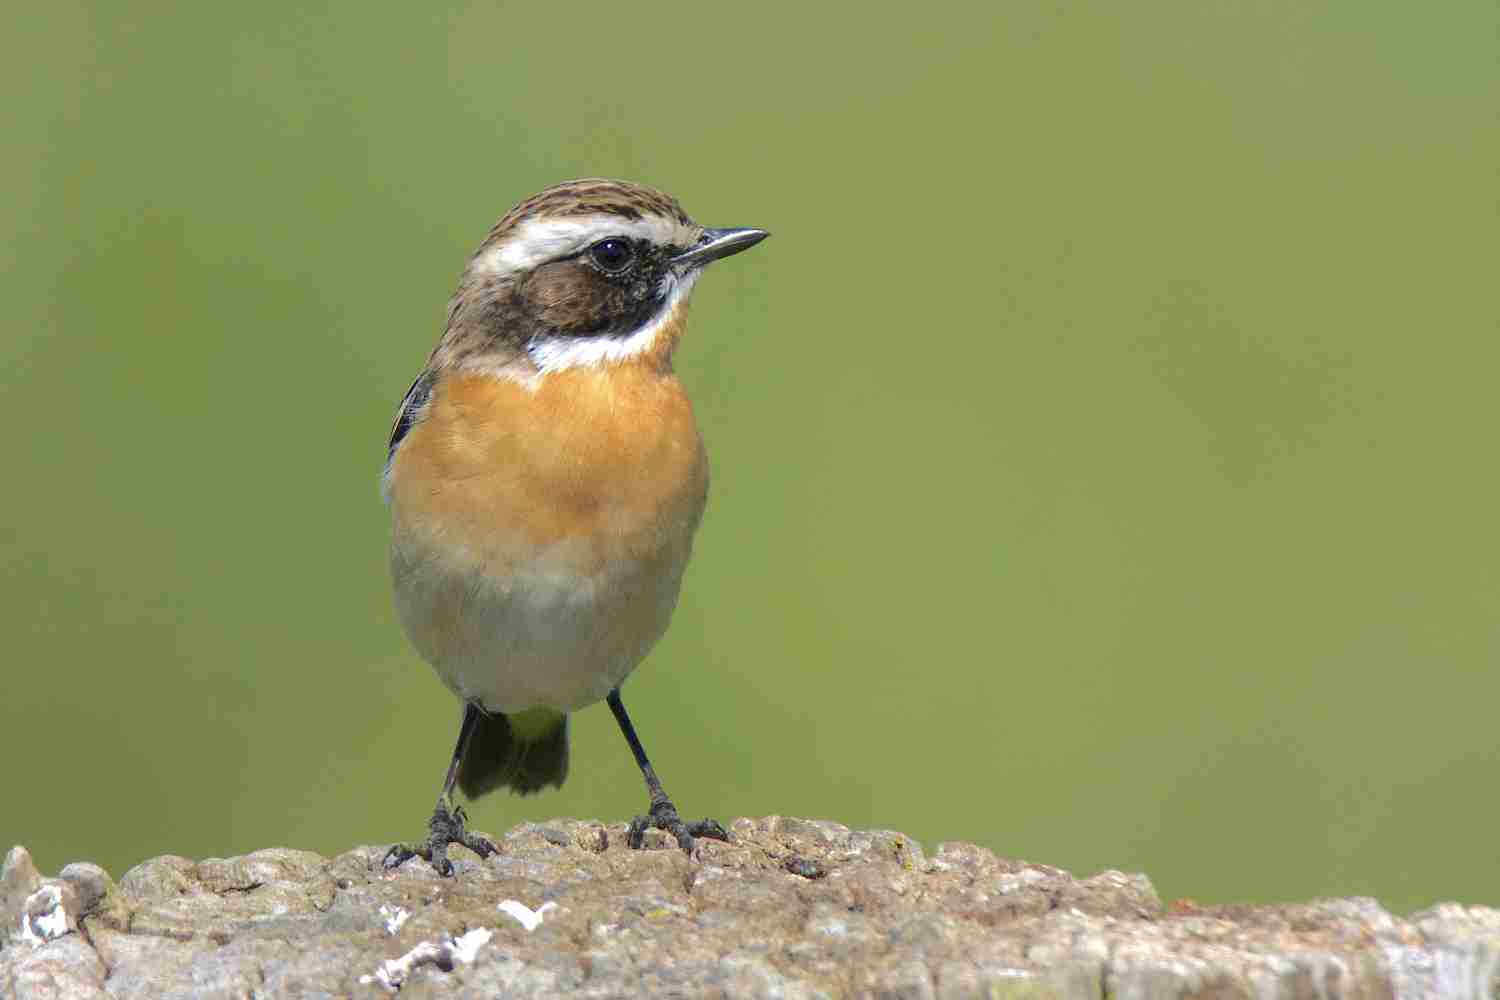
{"x":446,"y":827}
{"x":663,"y":816}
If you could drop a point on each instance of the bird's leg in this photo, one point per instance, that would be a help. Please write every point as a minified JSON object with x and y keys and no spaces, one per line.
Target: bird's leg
{"x":447,"y":823}
{"x":663,"y":814}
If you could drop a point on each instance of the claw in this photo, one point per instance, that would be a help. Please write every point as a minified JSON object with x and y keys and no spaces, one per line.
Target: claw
{"x":398,"y":855}
{"x":446,"y":827}
{"x":663,"y":816}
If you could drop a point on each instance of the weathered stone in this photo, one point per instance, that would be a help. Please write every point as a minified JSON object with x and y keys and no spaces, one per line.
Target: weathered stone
{"x":91,"y":882}
{"x":18,"y":880}
{"x":790,"y":908}
{"x":65,"y":967}
{"x":166,"y":877}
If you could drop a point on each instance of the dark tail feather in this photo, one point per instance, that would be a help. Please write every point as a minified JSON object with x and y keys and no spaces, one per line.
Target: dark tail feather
{"x":499,"y":757}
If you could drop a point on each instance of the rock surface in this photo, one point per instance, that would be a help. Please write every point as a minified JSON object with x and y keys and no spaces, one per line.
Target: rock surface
{"x":792,"y":908}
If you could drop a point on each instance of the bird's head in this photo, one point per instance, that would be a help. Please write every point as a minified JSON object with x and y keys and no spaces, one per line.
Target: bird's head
{"x":586,"y":273}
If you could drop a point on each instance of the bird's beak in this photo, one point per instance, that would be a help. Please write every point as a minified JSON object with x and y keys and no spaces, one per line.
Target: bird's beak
{"x":718,"y":243}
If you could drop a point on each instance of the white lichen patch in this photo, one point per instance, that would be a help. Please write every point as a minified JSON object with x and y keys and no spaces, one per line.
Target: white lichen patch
{"x":466,"y":946}
{"x":43,"y":917}
{"x":528,"y":918}
{"x":394,"y":917}
{"x":393,"y":973}
{"x":444,"y":954}
{"x":830,"y":928}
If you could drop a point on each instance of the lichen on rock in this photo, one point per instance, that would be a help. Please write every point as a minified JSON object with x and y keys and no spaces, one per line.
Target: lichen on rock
{"x":791,"y":907}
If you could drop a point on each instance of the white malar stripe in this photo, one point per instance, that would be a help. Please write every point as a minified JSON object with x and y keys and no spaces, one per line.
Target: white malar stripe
{"x":537,"y":241}
{"x":551,"y":354}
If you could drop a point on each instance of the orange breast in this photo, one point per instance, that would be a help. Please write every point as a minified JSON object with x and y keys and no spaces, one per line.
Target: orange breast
{"x":604,"y":462}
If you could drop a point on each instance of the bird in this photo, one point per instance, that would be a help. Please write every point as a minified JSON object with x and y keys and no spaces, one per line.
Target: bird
{"x":545,"y":477}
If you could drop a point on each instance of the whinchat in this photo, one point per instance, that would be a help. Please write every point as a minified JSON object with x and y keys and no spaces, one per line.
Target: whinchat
{"x":545,"y":477}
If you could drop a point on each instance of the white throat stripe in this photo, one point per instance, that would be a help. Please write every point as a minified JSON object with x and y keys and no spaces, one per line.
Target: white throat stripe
{"x":551,"y":354}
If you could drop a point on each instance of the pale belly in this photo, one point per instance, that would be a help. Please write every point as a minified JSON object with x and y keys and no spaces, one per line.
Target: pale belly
{"x":536,"y":568}
{"x":543,"y":631}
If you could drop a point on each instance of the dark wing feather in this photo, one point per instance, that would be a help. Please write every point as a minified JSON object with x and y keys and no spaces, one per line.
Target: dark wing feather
{"x":410,"y":412}
{"x":406,"y":418}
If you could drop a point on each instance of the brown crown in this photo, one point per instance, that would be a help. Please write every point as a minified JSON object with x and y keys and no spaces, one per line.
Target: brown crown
{"x":593,"y":196}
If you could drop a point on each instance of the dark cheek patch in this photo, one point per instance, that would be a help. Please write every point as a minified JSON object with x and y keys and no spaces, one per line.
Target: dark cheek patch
{"x":572,"y":298}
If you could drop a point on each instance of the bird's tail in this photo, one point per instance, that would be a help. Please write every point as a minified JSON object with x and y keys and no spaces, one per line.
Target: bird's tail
{"x":525,"y":751}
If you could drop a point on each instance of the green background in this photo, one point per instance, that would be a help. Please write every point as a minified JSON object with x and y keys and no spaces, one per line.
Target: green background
{"x":1104,"y":444}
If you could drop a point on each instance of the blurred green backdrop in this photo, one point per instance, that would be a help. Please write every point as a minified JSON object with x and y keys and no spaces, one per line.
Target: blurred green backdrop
{"x":1104,"y":446}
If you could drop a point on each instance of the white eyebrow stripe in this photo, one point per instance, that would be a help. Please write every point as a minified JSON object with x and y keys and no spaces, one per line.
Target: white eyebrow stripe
{"x":537,"y":241}
{"x":551,"y":354}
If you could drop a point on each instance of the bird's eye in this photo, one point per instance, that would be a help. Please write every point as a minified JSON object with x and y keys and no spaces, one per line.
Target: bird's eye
{"x":612,"y":255}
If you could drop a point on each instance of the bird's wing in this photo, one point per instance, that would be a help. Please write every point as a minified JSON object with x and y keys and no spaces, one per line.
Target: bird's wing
{"x":409,"y":412}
